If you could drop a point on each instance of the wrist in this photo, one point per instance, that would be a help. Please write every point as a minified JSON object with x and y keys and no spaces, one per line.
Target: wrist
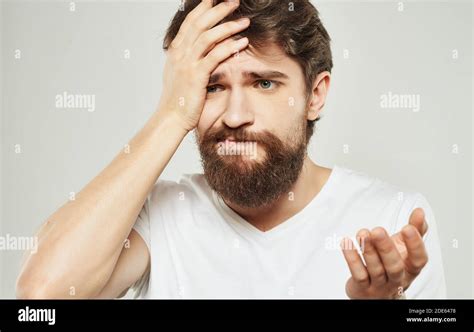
{"x":175,"y":118}
{"x":172,"y":121}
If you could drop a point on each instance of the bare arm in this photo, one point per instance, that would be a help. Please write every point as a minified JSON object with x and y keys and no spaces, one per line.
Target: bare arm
{"x":131,"y":265}
{"x":81,"y":244}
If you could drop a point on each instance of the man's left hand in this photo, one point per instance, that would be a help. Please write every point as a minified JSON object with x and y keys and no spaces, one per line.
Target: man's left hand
{"x":391,"y":262}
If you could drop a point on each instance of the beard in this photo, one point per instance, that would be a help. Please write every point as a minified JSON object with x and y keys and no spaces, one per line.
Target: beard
{"x":249,"y":182}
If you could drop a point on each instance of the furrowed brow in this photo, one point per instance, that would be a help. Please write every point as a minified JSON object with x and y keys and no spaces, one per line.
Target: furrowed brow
{"x":261,"y":75}
{"x":266,"y":75}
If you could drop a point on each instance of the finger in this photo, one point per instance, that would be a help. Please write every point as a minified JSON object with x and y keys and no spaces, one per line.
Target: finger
{"x":354,"y":261}
{"x":222,"y":51}
{"x":389,"y":255}
{"x":210,"y":38}
{"x":417,"y":219}
{"x":191,"y":17}
{"x":373,"y":262}
{"x":208,"y":20}
{"x":417,"y":256}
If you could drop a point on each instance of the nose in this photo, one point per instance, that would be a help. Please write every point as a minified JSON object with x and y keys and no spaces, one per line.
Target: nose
{"x":238,"y":111}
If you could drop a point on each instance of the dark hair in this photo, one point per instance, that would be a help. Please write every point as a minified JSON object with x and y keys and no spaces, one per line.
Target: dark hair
{"x":293,"y":25}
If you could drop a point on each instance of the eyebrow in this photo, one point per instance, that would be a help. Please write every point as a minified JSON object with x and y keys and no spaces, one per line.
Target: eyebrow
{"x":267,"y":75}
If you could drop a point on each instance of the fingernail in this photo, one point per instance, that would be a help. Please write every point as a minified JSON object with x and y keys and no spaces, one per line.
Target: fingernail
{"x":410,"y":232}
{"x":242,"y":41}
{"x":243,"y":21}
{"x":377,"y":234}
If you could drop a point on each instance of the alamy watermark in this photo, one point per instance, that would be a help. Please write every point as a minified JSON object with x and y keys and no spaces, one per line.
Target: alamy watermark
{"x":75,"y":101}
{"x":231,"y":148}
{"x":11,"y":242}
{"x":397,"y":101}
{"x":336,"y":242}
{"x":37,"y":315}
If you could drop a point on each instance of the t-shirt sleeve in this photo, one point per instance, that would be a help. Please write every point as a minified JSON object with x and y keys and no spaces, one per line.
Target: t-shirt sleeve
{"x":142,"y":224}
{"x":142,"y":227}
{"x":430,"y":283}
{"x":156,"y":202}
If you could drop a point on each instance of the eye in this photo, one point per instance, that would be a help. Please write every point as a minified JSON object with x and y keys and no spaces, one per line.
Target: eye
{"x":267,"y":84}
{"x":213,"y":88}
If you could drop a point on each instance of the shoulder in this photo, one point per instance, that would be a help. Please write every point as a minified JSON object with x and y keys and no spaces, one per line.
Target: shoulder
{"x":357,"y":184}
{"x":371,"y":196}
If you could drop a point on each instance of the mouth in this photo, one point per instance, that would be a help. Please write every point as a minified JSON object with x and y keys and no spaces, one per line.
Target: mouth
{"x":233,"y":141}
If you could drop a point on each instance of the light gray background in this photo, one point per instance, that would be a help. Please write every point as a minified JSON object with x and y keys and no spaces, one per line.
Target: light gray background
{"x":82,"y":52}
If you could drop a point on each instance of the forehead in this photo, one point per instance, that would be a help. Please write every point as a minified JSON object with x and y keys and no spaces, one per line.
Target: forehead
{"x":270,"y":58}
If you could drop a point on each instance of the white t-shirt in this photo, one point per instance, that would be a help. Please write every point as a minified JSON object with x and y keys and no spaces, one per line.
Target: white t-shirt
{"x":200,"y":248}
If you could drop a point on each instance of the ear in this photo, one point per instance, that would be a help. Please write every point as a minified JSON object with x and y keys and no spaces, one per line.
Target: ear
{"x":317,"y":99}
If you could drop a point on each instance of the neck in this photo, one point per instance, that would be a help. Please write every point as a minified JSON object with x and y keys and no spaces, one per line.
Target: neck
{"x":309,"y":183}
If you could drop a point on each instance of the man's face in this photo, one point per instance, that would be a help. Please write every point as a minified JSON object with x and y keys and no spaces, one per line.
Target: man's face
{"x":252,"y":132}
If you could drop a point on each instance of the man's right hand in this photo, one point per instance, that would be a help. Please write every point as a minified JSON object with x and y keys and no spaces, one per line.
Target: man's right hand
{"x":194,"y":54}
{"x":69,"y":254}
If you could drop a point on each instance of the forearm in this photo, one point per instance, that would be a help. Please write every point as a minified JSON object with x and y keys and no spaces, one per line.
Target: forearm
{"x":80,"y":243}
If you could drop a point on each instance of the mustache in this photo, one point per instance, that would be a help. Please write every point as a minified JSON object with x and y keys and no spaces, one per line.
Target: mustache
{"x":239,"y":134}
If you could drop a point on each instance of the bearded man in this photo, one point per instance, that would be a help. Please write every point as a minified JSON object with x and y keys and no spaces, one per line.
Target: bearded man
{"x":250,"y":78}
